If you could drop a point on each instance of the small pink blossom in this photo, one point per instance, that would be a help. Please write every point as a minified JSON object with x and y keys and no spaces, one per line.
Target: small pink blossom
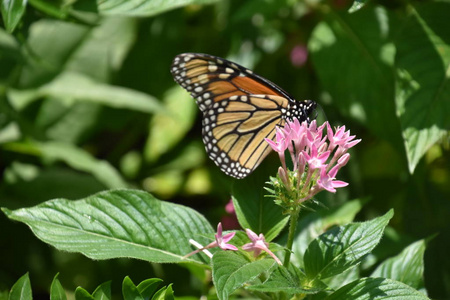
{"x":258,"y":244}
{"x":327,"y":182}
{"x":221,"y":241}
{"x":315,"y":160}
{"x":299,"y":55}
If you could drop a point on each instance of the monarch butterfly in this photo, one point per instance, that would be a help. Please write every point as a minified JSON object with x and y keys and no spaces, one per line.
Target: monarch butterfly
{"x":239,"y":109}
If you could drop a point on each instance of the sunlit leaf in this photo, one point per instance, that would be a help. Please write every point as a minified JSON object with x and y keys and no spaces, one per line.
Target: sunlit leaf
{"x":82,"y":294}
{"x":423,"y":85}
{"x":376,"y":288}
{"x":357,"y":5}
{"x":56,"y":290}
{"x":12,"y":12}
{"x":231,"y":271}
{"x":129,"y":290}
{"x":354,"y":64}
{"x":138,"y":7}
{"x":81,"y":160}
{"x":407,"y":267}
{"x":254,"y":210}
{"x":342,"y":247}
{"x":80,"y":87}
{"x":117,"y":223}
{"x":103,"y":291}
{"x":21,"y":289}
{"x":316,"y":223}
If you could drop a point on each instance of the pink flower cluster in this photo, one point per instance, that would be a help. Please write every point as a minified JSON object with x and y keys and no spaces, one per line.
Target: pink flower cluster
{"x":320,"y":156}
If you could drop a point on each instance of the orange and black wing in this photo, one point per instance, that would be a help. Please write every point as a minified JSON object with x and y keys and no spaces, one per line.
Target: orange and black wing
{"x":239,"y":109}
{"x":211,"y":79}
{"x":234,"y":130}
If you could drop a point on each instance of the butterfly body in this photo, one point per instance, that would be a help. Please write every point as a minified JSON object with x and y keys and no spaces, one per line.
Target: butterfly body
{"x":240,"y":109}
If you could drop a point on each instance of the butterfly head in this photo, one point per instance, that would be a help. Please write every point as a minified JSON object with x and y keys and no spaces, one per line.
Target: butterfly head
{"x":301,"y":110}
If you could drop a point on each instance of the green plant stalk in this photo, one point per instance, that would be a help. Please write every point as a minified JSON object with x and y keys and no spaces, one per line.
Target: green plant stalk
{"x":293,"y":220}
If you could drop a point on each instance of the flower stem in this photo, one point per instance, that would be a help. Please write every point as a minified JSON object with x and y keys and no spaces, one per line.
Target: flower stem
{"x":292,"y":228}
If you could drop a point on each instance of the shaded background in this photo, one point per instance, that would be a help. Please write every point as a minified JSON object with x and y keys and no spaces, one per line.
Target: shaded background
{"x":87,"y":103}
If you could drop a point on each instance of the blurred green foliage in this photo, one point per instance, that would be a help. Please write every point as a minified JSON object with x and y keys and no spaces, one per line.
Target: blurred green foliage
{"x":87,"y":103}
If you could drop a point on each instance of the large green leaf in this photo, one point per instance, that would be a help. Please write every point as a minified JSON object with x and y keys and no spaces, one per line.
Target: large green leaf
{"x":56,"y":46}
{"x":254,"y":210}
{"x":354,"y":64}
{"x":343,"y":247}
{"x":12,"y":12}
{"x":232,"y":270}
{"x":407,"y":267}
{"x":117,"y":223}
{"x":318,"y":222}
{"x":423,"y":72}
{"x":376,"y":288}
{"x":136,"y":7}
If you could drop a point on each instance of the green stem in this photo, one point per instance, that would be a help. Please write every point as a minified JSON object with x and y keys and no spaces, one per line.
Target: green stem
{"x":292,"y":228}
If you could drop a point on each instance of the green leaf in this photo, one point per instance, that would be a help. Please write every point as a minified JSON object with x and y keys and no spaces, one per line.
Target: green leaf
{"x":81,"y":160}
{"x":76,"y":86}
{"x":254,"y":210}
{"x":148,"y":287}
{"x":97,"y":52}
{"x":167,"y":129}
{"x":117,"y":223}
{"x":231,"y":271}
{"x":354,"y":64}
{"x":50,"y":44}
{"x":103,"y":291}
{"x":376,"y":288}
{"x":143,"y":8}
{"x":283,"y":280}
{"x":164,"y":293}
{"x":21,"y":289}
{"x":82,"y":294}
{"x":316,"y":223}
{"x":423,"y":85}
{"x":56,"y":290}
{"x":12,"y":12}
{"x":357,"y":5}
{"x":407,"y":267}
{"x":343,"y":247}
{"x":129,"y":290}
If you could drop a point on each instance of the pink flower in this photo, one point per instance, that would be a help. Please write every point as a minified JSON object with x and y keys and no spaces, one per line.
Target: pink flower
{"x":258,"y":244}
{"x":221,"y":241}
{"x":327,"y":182}
{"x":281,"y":141}
{"x":311,"y":150}
{"x":299,"y":55}
{"x":316,"y":161}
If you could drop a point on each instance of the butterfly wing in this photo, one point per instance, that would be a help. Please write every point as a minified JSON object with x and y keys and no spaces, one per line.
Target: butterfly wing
{"x":239,"y":109}
{"x":211,"y":79}
{"x":234,"y":130}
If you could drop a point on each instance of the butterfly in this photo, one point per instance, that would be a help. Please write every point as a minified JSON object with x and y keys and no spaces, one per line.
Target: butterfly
{"x":240,"y":109}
